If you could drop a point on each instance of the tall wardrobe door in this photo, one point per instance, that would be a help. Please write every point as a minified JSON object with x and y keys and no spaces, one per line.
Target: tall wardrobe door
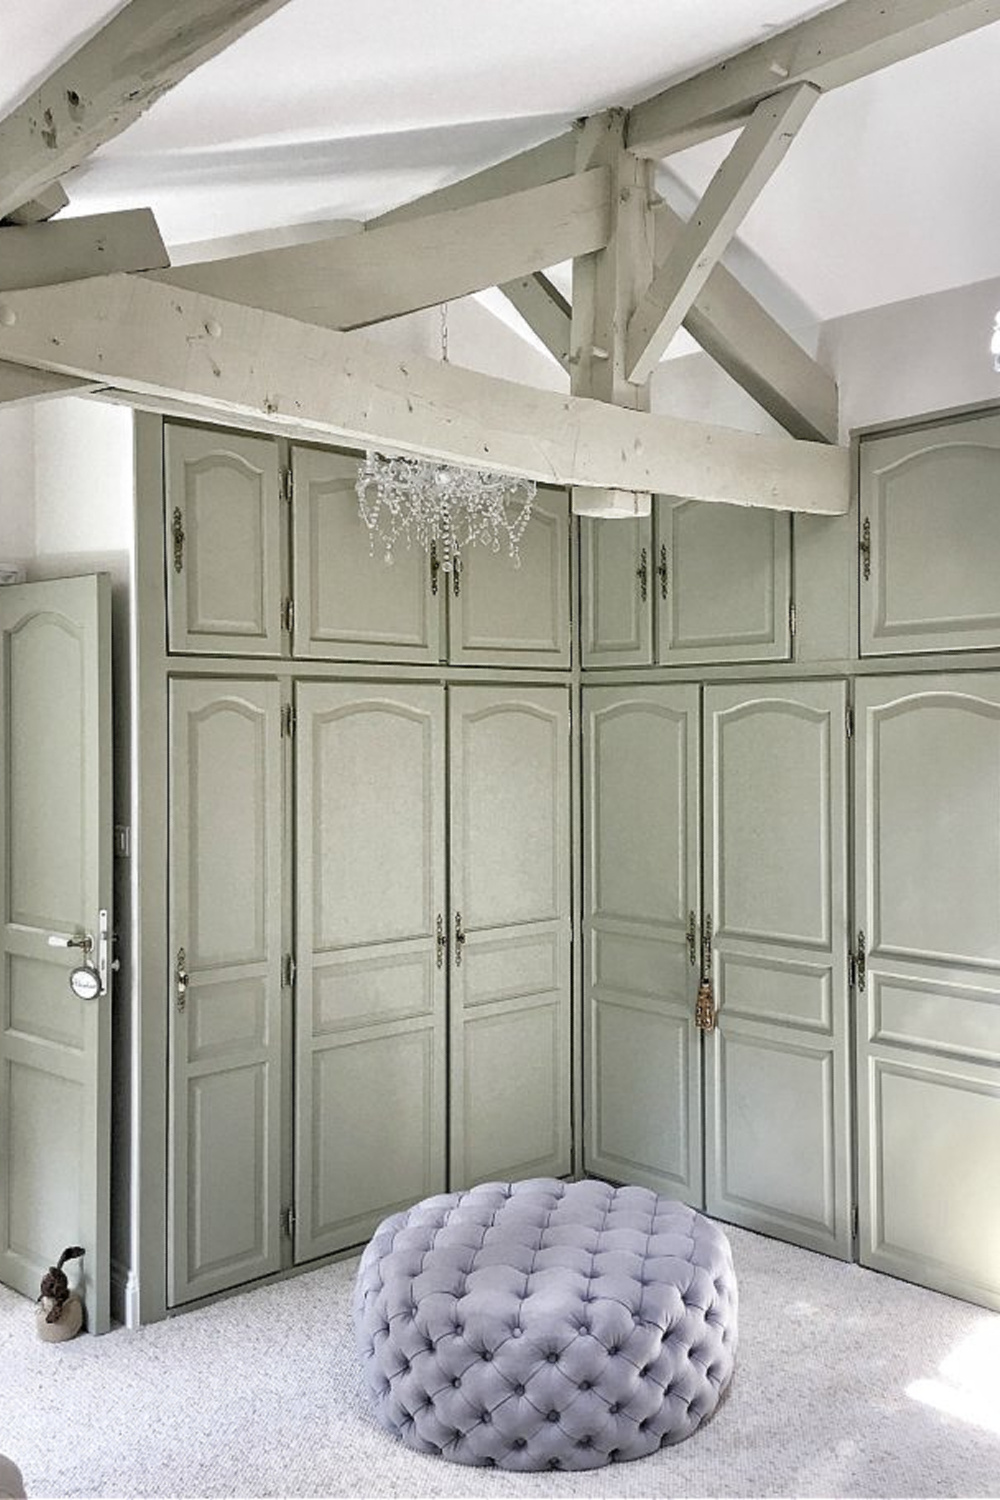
{"x":928,"y":905}
{"x":350,"y":604}
{"x":617,"y":584}
{"x":224,"y":986}
{"x":723,"y":582}
{"x":224,"y":521}
{"x":372,"y":976}
{"x":511,"y":914}
{"x":642,"y":1100}
{"x":502,"y":615}
{"x":777,"y":1065}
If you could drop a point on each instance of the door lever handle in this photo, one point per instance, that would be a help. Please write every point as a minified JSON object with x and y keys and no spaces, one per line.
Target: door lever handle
{"x":70,"y":940}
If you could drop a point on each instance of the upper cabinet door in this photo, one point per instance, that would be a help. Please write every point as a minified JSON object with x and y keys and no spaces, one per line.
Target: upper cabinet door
{"x":350,"y":605}
{"x":617,"y":593}
{"x":223,"y":543}
{"x":930,"y":537}
{"x":723,"y":583}
{"x":508,"y":616}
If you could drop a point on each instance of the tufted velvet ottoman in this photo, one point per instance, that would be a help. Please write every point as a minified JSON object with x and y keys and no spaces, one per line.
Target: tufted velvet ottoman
{"x":543,"y":1324}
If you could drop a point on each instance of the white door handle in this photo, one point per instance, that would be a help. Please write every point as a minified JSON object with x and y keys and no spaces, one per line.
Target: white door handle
{"x":71,"y":940}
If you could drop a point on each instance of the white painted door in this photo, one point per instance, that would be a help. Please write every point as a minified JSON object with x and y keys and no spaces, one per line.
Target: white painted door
{"x":722,"y":582}
{"x":777,"y":1064}
{"x":55,"y":879}
{"x":372,"y":958}
{"x":617,"y":592}
{"x":350,"y":604}
{"x":642,"y":1090}
{"x":225,"y":527}
{"x":506,"y":616}
{"x":224,"y":987}
{"x":930,"y":538}
{"x":928,"y":910}
{"x":511,"y":933}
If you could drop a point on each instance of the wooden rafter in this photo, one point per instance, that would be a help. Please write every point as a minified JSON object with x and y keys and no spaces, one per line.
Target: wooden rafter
{"x":50,"y":201}
{"x":545,"y":310}
{"x":539,"y":164}
{"x":71,"y":249}
{"x":755,"y":350}
{"x":145,"y":49}
{"x":400,"y":267}
{"x":758,"y":151}
{"x":132,"y":333}
{"x":835,"y":47}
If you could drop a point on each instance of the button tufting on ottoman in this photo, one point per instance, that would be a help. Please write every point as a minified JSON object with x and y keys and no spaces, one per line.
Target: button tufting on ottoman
{"x":546,"y":1325}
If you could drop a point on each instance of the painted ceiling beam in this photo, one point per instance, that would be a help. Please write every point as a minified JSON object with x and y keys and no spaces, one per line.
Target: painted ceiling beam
{"x":545,"y":310}
{"x":758,"y":151}
{"x":133,"y":333}
{"x":20,"y":383}
{"x":754,"y":349}
{"x":71,"y":249}
{"x":401,"y":267}
{"x":835,"y":47}
{"x":145,"y":49}
{"x":539,"y":164}
{"x":50,"y":201}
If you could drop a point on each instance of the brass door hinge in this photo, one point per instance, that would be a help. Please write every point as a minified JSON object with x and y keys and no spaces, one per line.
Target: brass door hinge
{"x":177,"y":533}
{"x":862,"y":962}
{"x":692,"y":939}
{"x":852,"y":970}
{"x":793,"y":619}
{"x":287,"y":486}
{"x":849,"y":722}
{"x":288,"y":1222}
{"x":865,"y":548}
{"x":663,"y":572}
{"x":854,"y":1221}
{"x":288,"y":971}
{"x":181,"y":979}
{"x":289,"y":720}
{"x":288,"y":615}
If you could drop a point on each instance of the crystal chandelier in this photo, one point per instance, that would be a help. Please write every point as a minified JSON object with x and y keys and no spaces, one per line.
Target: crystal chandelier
{"x":441,"y":507}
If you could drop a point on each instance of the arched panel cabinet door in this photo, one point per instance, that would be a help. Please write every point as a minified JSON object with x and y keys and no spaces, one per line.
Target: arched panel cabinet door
{"x":223,"y":553}
{"x":510,"y":933}
{"x":777,"y":1063}
{"x":928,"y":1027}
{"x":930,"y":537}
{"x":642,"y":861}
{"x":224,"y":985}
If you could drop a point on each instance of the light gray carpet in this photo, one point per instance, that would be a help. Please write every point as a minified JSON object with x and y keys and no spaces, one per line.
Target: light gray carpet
{"x":847,"y":1383}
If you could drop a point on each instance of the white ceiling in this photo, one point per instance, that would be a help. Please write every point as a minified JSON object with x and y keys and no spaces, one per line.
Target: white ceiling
{"x":327,"y":112}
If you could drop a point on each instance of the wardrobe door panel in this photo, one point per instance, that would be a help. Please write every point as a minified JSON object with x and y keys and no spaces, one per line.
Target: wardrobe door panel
{"x":511,"y":923}
{"x":371,"y":979}
{"x":930,"y":534}
{"x":642,"y":1089}
{"x":617,"y":585}
{"x":503,"y":615}
{"x":723,"y":582}
{"x":225,"y":985}
{"x":350,"y":605}
{"x":777,"y":1069}
{"x":224,"y":524}
{"x":928,"y":909}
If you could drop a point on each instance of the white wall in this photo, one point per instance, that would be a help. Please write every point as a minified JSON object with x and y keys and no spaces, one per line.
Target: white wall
{"x":914,"y":357}
{"x":17,"y":483}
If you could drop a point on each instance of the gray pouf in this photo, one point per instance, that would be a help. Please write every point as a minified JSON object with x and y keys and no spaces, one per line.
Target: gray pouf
{"x":546,"y":1325}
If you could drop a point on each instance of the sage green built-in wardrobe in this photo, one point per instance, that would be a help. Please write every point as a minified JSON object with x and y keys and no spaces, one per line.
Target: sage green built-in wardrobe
{"x":370,"y":892}
{"x":789,"y":797}
{"x":817,"y":849}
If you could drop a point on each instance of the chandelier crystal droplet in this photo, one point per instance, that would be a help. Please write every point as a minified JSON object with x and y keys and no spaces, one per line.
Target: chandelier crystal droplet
{"x":441,"y":506}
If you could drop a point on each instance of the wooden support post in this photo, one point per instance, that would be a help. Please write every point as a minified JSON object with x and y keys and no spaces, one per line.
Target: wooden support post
{"x":608,"y":285}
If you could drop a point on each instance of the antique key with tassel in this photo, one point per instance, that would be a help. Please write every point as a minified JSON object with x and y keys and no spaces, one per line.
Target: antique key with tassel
{"x":704,"y":1009}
